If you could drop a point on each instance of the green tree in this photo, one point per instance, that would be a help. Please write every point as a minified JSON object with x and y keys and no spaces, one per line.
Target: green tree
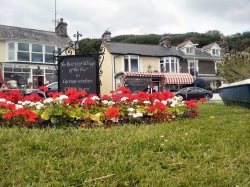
{"x":236,"y":66}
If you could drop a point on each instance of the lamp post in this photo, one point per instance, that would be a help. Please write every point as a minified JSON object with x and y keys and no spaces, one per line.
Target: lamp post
{"x":196,"y":65}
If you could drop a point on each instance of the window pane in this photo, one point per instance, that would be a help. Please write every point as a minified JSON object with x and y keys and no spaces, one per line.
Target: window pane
{"x":134,"y":65}
{"x":167,"y":67}
{"x":23,"y":56}
{"x":162,"y":68}
{"x":37,"y":48}
{"x":49,"y":49}
{"x":11,"y":56}
{"x":126,"y":65}
{"x":51,"y":78}
{"x":49,"y":58}
{"x":172,"y":67}
{"x":23,"y":47}
{"x":17,"y":69}
{"x":7,"y":69}
{"x":11,"y":46}
{"x":36,"y":57}
{"x":26,"y":69}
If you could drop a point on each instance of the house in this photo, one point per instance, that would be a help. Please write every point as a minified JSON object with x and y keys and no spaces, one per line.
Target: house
{"x":26,"y":55}
{"x":157,"y":67}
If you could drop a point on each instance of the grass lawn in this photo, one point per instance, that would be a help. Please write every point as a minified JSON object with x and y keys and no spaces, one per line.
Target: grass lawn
{"x":210,"y":150}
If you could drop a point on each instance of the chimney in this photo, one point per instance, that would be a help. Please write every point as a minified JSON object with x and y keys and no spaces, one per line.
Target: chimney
{"x":106,"y":37}
{"x":61,"y":28}
{"x":165,"y":41}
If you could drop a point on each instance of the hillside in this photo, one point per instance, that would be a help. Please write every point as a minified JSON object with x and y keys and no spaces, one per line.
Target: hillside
{"x":238,"y":41}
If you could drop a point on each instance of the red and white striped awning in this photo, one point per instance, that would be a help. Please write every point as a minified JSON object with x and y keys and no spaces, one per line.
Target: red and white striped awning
{"x":167,"y":78}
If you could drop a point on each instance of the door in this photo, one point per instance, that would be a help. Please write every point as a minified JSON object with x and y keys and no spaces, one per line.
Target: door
{"x":38,"y":81}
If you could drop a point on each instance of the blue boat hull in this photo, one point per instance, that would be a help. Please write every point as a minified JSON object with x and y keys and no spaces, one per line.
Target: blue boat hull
{"x":237,"y":95}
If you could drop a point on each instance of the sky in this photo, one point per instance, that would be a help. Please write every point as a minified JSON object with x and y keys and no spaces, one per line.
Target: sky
{"x":92,"y":17}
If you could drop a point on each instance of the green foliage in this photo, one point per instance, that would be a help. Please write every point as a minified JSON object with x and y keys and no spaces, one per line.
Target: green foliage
{"x":210,"y":150}
{"x":236,"y":66}
{"x":236,"y":41}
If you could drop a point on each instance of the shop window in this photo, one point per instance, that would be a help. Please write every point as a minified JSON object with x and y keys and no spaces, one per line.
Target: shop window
{"x":193,"y":67}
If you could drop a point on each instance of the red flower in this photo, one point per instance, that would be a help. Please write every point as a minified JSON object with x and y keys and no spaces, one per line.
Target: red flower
{"x":202,"y":100}
{"x":71,"y":91}
{"x":112,"y":112}
{"x":43,"y":89}
{"x":191,"y":104}
{"x":124,"y":90}
{"x":89,"y":101}
{"x":28,"y":115}
{"x":161,"y":107}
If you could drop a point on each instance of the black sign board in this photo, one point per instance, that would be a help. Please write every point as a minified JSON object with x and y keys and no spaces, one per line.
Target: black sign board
{"x":80,"y":72}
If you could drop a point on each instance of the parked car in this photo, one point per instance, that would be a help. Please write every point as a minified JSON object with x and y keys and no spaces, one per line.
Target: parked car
{"x":52,"y":87}
{"x":194,"y":93}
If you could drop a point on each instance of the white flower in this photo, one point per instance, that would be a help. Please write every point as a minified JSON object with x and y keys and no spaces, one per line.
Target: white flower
{"x":146,"y":102}
{"x":39,"y":106}
{"x":95,"y":98}
{"x":26,"y":103}
{"x":135,"y":101}
{"x":32,"y":104}
{"x":173,"y":104}
{"x":18,"y":106}
{"x":61,"y":97}
{"x":105,"y":102}
{"x":2,"y":100}
{"x":164,"y":102}
{"x":9,"y":102}
{"x":114,"y":119}
{"x":156,"y":101}
{"x":48,"y":100}
{"x":124,"y":99}
{"x":137,"y":115}
{"x":110,"y":103}
{"x":131,"y":109}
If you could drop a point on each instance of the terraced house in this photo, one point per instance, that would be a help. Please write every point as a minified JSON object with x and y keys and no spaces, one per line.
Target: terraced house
{"x":157,"y":67}
{"x":26,"y":55}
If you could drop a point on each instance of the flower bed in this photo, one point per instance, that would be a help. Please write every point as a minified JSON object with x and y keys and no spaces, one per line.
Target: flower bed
{"x":76,"y":108}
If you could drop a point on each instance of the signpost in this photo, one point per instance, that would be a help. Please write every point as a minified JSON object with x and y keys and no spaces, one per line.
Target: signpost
{"x":80,"y":72}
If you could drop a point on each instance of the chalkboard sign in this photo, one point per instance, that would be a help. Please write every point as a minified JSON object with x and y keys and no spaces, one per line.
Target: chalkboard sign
{"x":79,"y":72}
{"x":137,"y":84}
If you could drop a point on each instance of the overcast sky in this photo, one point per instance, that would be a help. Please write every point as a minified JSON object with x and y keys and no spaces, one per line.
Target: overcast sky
{"x":93,"y":17}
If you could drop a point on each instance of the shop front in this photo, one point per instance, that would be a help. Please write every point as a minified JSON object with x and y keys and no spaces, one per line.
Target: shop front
{"x":152,"y":81}
{"x":27,"y":76}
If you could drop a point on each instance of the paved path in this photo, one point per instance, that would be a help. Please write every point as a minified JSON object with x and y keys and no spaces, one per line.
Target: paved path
{"x":216,"y":97}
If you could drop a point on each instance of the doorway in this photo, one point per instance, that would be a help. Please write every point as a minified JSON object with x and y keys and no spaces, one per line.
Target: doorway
{"x":38,"y":81}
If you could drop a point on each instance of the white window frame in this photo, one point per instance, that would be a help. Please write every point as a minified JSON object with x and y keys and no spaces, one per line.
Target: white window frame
{"x":196,"y":64}
{"x":176,"y":64}
{"x":129,"y":57}
{"x":30,"y":51}
{"x":189,"y":50}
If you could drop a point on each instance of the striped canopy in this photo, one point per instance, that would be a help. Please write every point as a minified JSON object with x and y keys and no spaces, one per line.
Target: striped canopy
{"x":167,"y":78}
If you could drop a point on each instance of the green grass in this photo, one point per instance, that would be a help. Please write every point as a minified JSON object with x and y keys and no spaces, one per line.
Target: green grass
{"x":210,"y":150}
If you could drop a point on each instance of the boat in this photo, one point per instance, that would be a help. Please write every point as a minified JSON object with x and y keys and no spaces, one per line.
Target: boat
{"x":237,"y":93}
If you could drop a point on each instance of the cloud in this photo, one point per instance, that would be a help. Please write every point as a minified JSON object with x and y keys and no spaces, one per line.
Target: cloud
{"x":92,"y":18}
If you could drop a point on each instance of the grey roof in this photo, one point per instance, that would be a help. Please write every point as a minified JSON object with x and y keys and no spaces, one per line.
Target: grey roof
{"x":141,"y":49}
{"x":33,"y":35}
{"x":155,"y":51}
{"x":199,"y":54}
{"x":208,"y":46}
{"x":183,"y":43}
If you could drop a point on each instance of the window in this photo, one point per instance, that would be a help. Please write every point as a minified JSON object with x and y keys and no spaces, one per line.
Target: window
{"x":215,"y":52}
{"x":11,"y":51}
{"x":37,"y":53}
{"x":131,"y":63}
{"x":49,"y":53}
{"x":23,"y":52}
{"x":193,"y":67}
{"x":169,"y":64}
{"x":30,"y":52}
{"x":189,"y":50}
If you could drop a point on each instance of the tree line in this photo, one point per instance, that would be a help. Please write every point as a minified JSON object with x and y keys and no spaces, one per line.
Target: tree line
{"x":236,"y":42}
